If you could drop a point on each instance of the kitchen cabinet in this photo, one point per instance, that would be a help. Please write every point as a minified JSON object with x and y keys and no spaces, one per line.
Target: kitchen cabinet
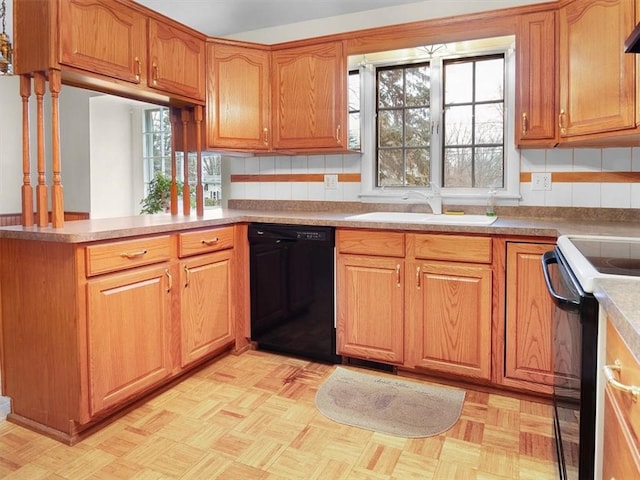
{"x":114,"y":46}
{"x":621,"y":413}
{"x":122,"y":319}
{"x":176,"y":60}
{"x":536,"y":86}
{"x":309,"y":85}
{"x":370,"y":295}
{"x":128,"y":325}
{"x":528,"y":327}
{"x":597,"y":79}
{"x":238,"y":97}
{"x":449,"y":327}
{"x":103,"y":37}
{"x":420,"y":301}
{"x":206,"y":273}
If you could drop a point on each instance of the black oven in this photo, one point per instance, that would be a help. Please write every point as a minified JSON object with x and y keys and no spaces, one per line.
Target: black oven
{"x":575,"y":341}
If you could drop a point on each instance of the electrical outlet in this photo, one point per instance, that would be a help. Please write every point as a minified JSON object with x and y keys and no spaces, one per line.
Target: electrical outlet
{"x":541,"y":181}
{"x":331,"y":182}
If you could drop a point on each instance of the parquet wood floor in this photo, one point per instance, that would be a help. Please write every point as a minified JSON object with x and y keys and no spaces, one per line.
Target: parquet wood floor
{"x":252,"y":417}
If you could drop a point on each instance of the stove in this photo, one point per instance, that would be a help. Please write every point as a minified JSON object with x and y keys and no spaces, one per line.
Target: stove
{"x":591,"y":256}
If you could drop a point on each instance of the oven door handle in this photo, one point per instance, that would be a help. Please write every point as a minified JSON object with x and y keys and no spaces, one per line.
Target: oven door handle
{"x":564,"y":303}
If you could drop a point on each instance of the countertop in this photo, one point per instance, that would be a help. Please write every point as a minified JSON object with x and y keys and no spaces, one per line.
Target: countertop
{"x":618,"y":297}
{"x":115,"y":228}
{"x":620,"y":300}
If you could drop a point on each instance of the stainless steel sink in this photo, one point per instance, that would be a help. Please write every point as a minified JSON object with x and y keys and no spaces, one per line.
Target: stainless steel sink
{"x":423,"y":218}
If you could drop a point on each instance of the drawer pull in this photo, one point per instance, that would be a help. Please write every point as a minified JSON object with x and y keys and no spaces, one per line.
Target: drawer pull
{"x":418,"y":277}
{"x":211,"y":242}
{"x":632,"y":390}
{"x":398,"y":275}
{"x":134,"y":254}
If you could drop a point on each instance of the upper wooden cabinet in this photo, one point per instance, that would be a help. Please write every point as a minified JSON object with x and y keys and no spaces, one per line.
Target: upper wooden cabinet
{"x":111,"y":45}
{"x":176,"y":60}
{"x":536,"y":88}
{"x":238,"y":94}
{"x":104,"y":36}
{"x":309,"y":97}
{"x":597,"y":79}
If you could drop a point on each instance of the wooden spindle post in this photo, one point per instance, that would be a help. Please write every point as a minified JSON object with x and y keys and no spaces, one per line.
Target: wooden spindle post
{"x":186,"y":192}
{"x":197,"y":113}
{"x":27,"y":189}
{"x":41,"y":188}
{"x":57,"y":200}
{"x":174,"y":112}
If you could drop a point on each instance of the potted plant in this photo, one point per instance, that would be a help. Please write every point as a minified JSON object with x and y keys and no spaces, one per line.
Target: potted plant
{"x":158,"y":198}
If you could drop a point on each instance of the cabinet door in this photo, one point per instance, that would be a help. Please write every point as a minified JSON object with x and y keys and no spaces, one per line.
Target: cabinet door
{"x":621,"y":459}
{"x":309,"y":97}
{"x":238,"y":91}
{"x":536,"y":86}
{"x":176,"y":61}
{"x":206,"y":323}
{"x":370,"y":300}
{"x":128,"y":323}
{"x":529,"y":312}
{"x":451,"y":326}
{"x":104,"y":37}
{"x":597,"y":79}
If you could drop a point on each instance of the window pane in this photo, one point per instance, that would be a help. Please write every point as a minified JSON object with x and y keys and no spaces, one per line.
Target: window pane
{"x":489,"y":123}
{"x":390,"y":168}
{"x":458,"y":167}
{"x":418,"y":160}
{"x":418,"y":85}
{"x":390,"y":88}
{"x":458,"y":122}
{"x":354,"y":92}
{"x":489,"y":167}
{"x":458,"y":83}
{"x":390,"y":128}
{"x":354,"y":131}
{"x":490,"y":80}
{"x":418,"y":128}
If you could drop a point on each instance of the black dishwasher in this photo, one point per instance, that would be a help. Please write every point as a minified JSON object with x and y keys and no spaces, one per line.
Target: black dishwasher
{"x":292,"y":290}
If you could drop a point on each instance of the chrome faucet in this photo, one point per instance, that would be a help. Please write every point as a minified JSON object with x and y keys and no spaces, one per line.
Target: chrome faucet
{"x":434,"y":199}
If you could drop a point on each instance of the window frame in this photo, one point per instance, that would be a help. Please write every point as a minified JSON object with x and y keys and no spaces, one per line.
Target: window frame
{"x":508,"y":195}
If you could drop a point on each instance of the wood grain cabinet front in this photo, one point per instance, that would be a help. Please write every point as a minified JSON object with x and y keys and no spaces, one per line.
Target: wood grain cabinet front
{"x":449,"y":297}
{"x":238,"y":97}
{"x":128,"y":326}
{"x":309,"y":97}
{"x":621,"y":409}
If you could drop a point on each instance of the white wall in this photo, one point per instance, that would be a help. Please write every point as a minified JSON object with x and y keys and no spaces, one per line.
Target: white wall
{"x":10,"y":145}
{"x":114,"y":169}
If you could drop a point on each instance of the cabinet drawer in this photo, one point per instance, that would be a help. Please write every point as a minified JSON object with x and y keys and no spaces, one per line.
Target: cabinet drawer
{"x":629,"y":374}
{"x":205,"y":241}
{"x":456,"y":248}
{"x":114,"y":256}
{"x":370,"y":242}
{"x":621,"y":457}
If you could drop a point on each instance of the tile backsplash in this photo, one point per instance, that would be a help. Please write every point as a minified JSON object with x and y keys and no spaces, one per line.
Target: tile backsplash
{"x":588,"y":177}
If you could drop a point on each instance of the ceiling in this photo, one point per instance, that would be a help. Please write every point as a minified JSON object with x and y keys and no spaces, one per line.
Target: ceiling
{"x":219,"y":18}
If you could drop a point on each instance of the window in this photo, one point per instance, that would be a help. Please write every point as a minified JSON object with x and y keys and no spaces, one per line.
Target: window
{"x":354,"y":110}
{"x":403,"y":126}
{"x":439,"y":114}
{"x":156,"y":152}
{"x":473,"y":137}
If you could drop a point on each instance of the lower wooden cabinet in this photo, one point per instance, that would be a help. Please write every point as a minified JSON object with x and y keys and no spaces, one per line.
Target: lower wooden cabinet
{"x":89,"y":328}
{"x":528,"y":327}
{"x":205,"y":305}
{"x":128,"y":325}
{"x":621,"y":455}
{"x":450,"y":330}
{"x":370,"y":307}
